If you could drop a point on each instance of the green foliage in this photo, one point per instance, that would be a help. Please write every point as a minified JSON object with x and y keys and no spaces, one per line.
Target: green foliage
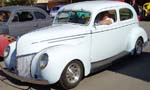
{"x":19,"y":2}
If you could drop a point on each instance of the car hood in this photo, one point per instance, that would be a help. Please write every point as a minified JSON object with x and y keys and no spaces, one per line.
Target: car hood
{"x":38,"y":40}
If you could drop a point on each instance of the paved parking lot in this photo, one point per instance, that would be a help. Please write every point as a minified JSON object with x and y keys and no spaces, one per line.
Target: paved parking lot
{"x":130,"y":73}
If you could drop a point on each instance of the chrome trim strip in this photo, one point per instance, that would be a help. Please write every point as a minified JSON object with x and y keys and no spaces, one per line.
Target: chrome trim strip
{"x":112,"y":28}
{"x":62,"y":38}
{"x":66,"y":39}
{"x":26,"y":55}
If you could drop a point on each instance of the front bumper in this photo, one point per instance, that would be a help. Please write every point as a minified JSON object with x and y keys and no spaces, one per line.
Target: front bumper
{"x":22,"y":79}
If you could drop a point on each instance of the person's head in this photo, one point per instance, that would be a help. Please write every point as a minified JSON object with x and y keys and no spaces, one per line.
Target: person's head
{"x":104,"y":15}
{"x":3,"y":16}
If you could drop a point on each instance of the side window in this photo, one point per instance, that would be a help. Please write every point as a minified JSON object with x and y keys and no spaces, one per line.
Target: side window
{"x":15,"y":18}
{"x":39,"y":15}
{"x":125,"y":14}
{"x":25,"y":16}
{"x":106,"y":17}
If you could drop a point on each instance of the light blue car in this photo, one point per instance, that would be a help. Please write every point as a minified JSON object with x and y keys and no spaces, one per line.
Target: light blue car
{"x":54,"y":10}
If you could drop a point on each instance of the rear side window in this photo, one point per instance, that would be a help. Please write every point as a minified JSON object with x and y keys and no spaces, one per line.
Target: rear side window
{"x":25,"y":16}
{"x":125,"y":14}
{"x":39,"y":15}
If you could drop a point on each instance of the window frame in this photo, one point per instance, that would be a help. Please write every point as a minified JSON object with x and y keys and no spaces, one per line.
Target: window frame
{"x":109,"y":10}
{"x":129,"y":12}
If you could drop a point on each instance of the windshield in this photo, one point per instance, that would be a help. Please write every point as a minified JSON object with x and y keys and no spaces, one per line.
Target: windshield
{"x":4,"y":16}
{"x":79,"y":17}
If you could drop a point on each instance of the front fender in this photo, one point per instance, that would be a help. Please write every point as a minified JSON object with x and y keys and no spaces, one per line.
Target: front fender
{"x":10,"y":59}
{"x":134,"y":35}
{"x":59,"y":57}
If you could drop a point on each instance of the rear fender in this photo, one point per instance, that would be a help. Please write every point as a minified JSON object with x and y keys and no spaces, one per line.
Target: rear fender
{"x":134,"y":35}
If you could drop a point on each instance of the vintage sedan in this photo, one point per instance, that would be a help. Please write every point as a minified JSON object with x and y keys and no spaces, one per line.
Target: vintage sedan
{"x":18,"y":20}
{"x":75,"y":45}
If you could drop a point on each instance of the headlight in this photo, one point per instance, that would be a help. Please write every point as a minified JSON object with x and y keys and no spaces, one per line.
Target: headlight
{"x":6,"y":52}
{"x":43,"y":61}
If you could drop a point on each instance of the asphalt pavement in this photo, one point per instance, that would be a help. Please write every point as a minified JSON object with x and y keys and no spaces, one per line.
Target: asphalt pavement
{"x":128,"y":73}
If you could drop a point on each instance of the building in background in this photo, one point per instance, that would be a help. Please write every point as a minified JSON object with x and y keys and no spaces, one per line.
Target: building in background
{"x":42,"y":1}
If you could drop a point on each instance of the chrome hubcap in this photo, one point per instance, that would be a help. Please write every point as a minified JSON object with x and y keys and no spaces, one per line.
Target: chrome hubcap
{"x":73,"y":73}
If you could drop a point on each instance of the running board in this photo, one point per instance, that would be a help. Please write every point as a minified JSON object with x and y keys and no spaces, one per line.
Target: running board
{"x":97,"y":66}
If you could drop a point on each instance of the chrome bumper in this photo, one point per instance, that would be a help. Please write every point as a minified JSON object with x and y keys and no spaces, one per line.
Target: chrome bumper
{"x":22,"y":79}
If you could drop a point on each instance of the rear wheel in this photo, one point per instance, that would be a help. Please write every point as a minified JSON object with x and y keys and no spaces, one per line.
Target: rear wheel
{"x":71,"y":76}
{"x":138,"y":46}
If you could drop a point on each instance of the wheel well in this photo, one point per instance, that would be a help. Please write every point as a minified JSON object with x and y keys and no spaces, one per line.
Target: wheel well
{"x":141,"y":38}
{"x":82,"y":66}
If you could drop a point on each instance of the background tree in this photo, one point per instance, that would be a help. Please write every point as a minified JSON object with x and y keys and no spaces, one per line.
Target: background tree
{"x":19,"y":2}
{"x":2,"y":3}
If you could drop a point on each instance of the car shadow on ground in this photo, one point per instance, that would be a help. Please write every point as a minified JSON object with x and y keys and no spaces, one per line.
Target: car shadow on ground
{"x":132,"y":66}
{"x":137,"y":66}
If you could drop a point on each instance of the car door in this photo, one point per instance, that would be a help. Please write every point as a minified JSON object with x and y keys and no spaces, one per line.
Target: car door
{"x":126,"y":24}
{"x":106,"y":39}
{"x":22,"y":22}
{"x":42,"y":19}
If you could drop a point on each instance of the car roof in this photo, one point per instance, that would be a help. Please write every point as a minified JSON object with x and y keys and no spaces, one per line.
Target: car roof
{"x":94,"y":5}
{"x":13,"y":8}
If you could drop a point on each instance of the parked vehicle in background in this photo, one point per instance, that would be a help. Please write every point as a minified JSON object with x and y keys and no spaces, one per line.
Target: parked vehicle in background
{"x":76,"y":44}
{"x":54,"y":10}
{"x":18,"y":20}
{"x":44,"y":7}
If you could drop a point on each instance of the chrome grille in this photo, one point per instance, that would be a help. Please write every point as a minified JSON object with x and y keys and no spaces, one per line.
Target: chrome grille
{"x":24,"y":66}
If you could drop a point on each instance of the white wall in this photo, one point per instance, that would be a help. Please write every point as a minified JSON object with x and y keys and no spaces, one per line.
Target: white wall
{"x":42,"y":1}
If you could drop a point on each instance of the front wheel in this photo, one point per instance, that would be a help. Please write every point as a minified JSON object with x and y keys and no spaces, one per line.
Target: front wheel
{"x":138,"y":46}
{"x":71,"y":76}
